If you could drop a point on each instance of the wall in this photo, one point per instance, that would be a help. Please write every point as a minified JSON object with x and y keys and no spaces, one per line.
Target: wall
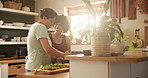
{"x":128,"y":26}
{"x":57,"y":5}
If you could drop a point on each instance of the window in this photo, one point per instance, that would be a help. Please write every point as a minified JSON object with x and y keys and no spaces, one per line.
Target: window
{"x":80,"y":18}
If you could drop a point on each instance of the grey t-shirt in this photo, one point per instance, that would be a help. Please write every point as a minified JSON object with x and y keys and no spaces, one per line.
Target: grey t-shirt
{"x":36,"y":55}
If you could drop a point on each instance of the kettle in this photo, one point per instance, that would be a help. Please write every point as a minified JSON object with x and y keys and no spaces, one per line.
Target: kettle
{"x":25,"y":8}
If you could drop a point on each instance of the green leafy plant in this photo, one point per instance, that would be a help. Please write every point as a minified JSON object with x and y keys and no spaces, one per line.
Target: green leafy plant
{"x":85,"y":33}
{"x":107,"y":26}
{"x":130,"y":46}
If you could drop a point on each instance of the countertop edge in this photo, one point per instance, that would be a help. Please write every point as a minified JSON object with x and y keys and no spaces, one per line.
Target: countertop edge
{"x":12,"y":61}
{"x":117,"y":59}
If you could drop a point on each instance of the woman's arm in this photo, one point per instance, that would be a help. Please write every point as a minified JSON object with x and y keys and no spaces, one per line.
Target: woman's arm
{"x":49,"y":49}
{"x":68,"y":41}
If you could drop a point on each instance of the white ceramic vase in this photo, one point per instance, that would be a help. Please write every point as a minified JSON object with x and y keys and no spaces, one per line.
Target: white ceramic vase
{"x":117,"y":47}
{"x":100,"y":46}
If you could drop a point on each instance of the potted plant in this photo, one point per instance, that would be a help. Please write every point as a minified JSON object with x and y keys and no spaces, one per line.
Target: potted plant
{"x":75,"y":32}
{"x":103,"y":33}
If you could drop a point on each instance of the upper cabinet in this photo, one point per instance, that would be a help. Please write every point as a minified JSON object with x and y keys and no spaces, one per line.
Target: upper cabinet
{"x":142,"y":6}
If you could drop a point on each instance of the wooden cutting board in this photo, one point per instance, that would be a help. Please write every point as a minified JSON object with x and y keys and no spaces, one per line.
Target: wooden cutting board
{"x":48,"y":72}
{"x":138,"y":53}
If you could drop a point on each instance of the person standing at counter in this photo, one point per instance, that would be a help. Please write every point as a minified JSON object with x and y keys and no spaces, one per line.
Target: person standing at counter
{"x":60,"y":41}
{"x":38,"y":41}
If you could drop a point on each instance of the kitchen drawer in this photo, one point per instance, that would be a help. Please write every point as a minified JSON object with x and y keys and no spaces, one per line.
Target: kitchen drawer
{"x":16,"y":69}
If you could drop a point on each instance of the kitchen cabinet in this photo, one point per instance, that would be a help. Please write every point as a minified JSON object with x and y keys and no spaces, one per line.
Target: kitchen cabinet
{"x":11,"y":67}
{"x":137,"y":70}
{"x":146,"y":69}
{"x":127,"y":70}
{"x":107,"y":67}
{"x":142,"y":6}
{"x":119,"y":70}
{"x":16,"y":69}
{"x":13,"y":15}
{"x":14,"y":31}
{"x":146,"y":35}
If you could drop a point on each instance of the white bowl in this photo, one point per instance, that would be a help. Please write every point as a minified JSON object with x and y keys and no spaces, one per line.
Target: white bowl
{"x":18,"y":24}
{"x":8,"y":24}
{"x":28,"y":25}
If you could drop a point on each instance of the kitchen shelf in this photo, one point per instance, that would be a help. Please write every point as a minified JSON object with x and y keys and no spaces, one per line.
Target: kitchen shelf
{"x":13,"y":43}
{"x":18,"y":11}
{"x":20,"y":28}
{"x":14,"y":27}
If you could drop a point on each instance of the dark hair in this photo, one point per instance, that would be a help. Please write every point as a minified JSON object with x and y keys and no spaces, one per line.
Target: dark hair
{"x":48,"y":12}
{"x":64,"y":22}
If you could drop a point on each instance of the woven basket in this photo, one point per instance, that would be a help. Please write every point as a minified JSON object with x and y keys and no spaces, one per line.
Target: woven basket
{"x":12,"y":5}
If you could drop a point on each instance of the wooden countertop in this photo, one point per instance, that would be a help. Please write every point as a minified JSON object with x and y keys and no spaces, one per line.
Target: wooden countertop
{"x":119,"y":59}
{"x":30,"y":75}
{"x":12,"y":61}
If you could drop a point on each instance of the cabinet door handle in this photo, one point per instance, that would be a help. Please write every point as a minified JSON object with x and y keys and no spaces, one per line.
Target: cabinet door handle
{"x":18,"y":67}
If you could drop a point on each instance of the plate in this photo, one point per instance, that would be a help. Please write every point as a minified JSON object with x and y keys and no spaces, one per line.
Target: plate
{"x":18,"y":24}
{"x":28,"y":25}
{"x":8,"y":24}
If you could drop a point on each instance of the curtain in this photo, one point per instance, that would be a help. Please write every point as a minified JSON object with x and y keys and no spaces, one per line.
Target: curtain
{"x":117,"y":9}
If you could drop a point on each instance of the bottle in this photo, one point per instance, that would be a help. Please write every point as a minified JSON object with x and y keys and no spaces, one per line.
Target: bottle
{"x":1,"y":5}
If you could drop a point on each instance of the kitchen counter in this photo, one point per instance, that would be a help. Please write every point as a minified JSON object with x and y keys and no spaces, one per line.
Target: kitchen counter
{"x":118,"y":59}
{"x":4,"y":66}
{"x":108,"y":67}
{"x":30,"y":75}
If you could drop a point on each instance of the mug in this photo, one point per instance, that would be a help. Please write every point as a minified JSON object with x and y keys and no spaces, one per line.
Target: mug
{"x":87,"y":52}
{"x":18,"y":39}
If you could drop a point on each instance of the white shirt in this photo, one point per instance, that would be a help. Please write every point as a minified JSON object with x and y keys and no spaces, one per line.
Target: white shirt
{"x":36,"y":54}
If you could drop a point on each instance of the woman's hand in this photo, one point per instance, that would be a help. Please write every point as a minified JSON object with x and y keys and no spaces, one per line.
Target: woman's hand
{"x":26,"y":59}
{"x":67,"y":53}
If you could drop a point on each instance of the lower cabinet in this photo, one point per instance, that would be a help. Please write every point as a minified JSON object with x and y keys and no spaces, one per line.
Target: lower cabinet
{"x":119,"y":70}
{"x":137,"y":70}
{"x":98,"y":69}
{"x":128,"y":70}
{"x":16,"y":69}
{"x":146,"y":69}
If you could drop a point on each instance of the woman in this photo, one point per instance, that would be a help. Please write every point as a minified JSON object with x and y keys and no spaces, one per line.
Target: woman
{"x":60,"y":41}
{"x":38,"y":41}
